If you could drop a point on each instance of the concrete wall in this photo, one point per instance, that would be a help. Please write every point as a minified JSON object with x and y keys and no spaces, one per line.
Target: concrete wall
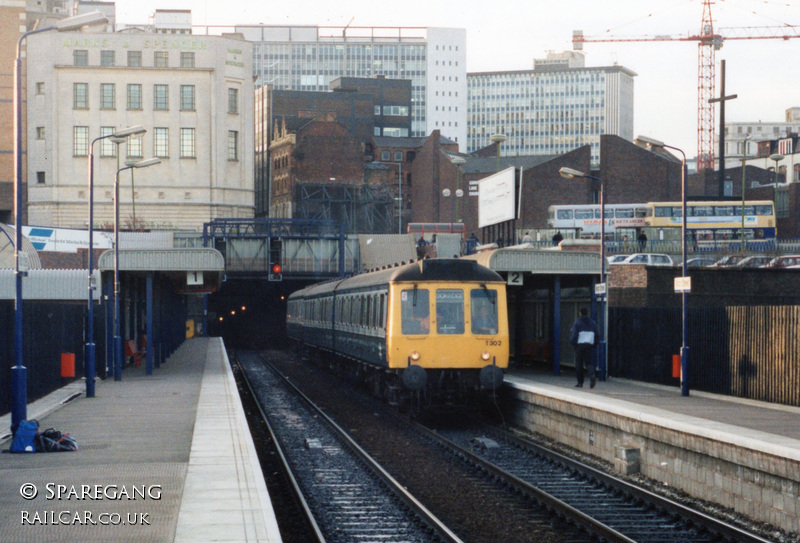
{"x":712,"y":465}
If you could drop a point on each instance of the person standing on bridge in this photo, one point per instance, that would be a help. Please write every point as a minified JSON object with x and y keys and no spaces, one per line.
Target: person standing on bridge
{"x":584,"y":337}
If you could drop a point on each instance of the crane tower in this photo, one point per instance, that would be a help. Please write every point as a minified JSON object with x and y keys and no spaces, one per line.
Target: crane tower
{"x":708,"y":42}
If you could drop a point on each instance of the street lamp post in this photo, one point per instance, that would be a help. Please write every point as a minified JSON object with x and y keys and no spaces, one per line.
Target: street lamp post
{"x":117,"y":336}
{"x":776,"y":157}
{"x":458,"y":162}
{"x":569,"y":173}
{"x":744,"y":176}
{"x":117,"y":137}
{"x":19,"y":385}
{"x":497,"y":139}
{"x":684,"y":309}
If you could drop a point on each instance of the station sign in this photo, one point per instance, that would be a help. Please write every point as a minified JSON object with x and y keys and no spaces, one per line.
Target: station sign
{"x":600,"y":289}
{"x":683,"y":284}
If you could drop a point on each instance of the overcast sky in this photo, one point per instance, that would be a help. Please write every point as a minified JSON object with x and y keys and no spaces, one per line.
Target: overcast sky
{"x":509,"y":34}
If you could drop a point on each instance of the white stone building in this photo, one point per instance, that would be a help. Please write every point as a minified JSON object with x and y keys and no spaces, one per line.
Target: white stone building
{"x":192,"y":93}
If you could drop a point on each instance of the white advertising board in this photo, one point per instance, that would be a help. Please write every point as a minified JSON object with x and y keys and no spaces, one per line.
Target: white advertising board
{"x":496,"y":198}
{"x":64,"y":240}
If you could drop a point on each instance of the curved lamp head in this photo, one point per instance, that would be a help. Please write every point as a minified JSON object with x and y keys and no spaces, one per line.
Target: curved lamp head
{"x":569,"y":173}
{"x":457,"y":160}
{"x":146,"y":163}
{"x":79,"y":21}
{"x":137,"y":130}
{"x":498,"y":138}
{"x":644,"y":141}
{"x":777,"y":157}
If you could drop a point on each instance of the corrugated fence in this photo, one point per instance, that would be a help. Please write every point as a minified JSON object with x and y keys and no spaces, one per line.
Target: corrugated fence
{"x":744,"y":351}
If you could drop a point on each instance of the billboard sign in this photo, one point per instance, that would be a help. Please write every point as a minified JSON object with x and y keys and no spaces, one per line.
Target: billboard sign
{"x":64,"y":240}
{"x":496,"y":198}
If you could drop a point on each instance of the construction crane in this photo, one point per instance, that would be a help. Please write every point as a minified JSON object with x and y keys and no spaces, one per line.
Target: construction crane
{"x":708,"y":42}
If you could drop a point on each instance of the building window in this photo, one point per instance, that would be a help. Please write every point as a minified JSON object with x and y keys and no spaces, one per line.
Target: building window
{"x":40,"y":88}
{"x":106,"y":58}
{"x":233,"y":101}
{"x":376,"y":131}
{"x":398,"y":156}
{"x":161,"y":59}
{"x":233,"y":145}
{"x":107,"y":96}
{"x":134,"y":59}
{"x":40,"y":179}
{"x":187,"y":97}
{"x":134,"y":96}
{"x":377,"y":110}
{"x":134,"y":147}
{"x":80,"y":57}
{"x":80,"y":96}
{"x":187,"y":59}
{"x":80,"y":141}
{"x":187,"y":143}
{"x":160,"y":97}
{"x":107,"y":147}
{"x":161,"y":142}
{"x":39,"y":132}
{"x":386,"y":156}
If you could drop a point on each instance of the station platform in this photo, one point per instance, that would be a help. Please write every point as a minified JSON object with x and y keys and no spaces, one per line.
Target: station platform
{"x":166,"y":457}
{"x":741,"y":454}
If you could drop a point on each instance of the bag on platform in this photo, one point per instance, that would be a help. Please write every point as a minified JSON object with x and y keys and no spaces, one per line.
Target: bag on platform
{"x":51,"y":440}
{"x":25,"y":437}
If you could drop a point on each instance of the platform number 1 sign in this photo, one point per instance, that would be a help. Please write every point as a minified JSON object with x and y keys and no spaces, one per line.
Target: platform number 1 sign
{"x":194,"y":278}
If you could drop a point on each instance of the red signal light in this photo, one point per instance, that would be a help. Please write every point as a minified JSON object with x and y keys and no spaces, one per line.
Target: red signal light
{"x":276,"y":269}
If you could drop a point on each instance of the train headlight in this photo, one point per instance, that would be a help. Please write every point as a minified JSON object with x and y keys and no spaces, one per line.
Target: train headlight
{"x":414,"y":356}
{"x":486,"y":355}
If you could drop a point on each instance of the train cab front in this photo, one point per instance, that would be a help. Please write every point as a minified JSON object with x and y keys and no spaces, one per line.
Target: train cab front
{"x":452,"y":340}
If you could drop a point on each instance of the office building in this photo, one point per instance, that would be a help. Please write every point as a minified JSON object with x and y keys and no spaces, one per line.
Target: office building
{"x":558,"y":106}
{"x":310,"y":58}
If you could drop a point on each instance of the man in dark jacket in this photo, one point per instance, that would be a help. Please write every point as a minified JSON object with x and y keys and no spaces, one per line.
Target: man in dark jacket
{"x":584,"y":336}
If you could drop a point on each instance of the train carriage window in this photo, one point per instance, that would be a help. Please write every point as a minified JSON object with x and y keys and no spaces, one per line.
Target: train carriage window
{"x":415,"y":311}
{"x":449,"y":311}
{"x":483,"y":311}
{"x":381,"y":319}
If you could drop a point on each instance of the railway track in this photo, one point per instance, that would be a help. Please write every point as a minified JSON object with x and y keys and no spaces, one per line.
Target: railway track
{"x":489,"y":485}
{"x":346,"y":495}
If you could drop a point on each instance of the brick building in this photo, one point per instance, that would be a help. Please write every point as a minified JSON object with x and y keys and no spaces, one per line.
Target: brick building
{"x":323,"y":151}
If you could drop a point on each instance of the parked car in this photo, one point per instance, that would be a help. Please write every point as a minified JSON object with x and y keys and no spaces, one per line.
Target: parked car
{"x":755,"y":261}
{"x":699,"y":262}
{"x":651,"y":259}
{"x":727,"y":261}
{"x":615,"y":259}
{"x":783,"y":261}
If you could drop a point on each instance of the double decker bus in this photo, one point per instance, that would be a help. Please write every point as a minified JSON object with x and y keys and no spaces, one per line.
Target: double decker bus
{"x":584,"y":219}
{"x":713,"y":224}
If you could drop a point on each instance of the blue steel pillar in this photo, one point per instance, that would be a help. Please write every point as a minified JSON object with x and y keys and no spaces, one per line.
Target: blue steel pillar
{"x":149,"y":311}
{"x":557,"y":326}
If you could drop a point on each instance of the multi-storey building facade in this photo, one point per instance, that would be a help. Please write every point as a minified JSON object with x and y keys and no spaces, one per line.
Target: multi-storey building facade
{"x":554,"y":108}
{"x":742,"y":138}
{"x":310,"y":57}
{"x":193,"y":94}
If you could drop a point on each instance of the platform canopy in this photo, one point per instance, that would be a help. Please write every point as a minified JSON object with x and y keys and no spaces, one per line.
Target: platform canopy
{"x":197,"y":270}
{"x":523,"y":259}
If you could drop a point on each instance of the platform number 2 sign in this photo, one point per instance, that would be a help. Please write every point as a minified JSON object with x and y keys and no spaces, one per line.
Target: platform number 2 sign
{"x":514,"y":278}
